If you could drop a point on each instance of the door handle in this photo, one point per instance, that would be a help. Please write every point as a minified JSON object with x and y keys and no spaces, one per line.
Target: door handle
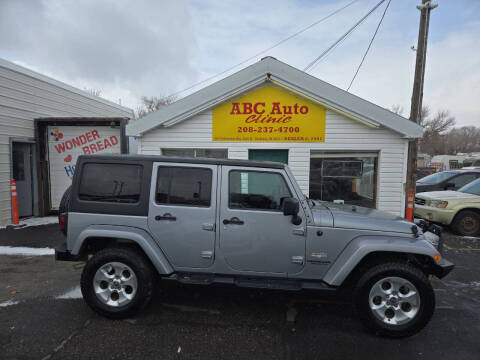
{"x":166,"y":216}
{"x":233,"y":220}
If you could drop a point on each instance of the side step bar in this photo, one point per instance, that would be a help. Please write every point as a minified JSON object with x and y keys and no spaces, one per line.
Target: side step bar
{"x":249,"y":282}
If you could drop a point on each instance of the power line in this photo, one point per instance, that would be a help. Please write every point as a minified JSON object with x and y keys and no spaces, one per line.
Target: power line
{"x":268,"y":49}
{"x":369,"y":45}
{"x":331,"y":47}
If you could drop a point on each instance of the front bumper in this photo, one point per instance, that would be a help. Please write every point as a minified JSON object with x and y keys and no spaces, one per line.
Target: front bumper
{"x":62,"y":254}
{"x":442,"y":268}
{"x":442,"y":216}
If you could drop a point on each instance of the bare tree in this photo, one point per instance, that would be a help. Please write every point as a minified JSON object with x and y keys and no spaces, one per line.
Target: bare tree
{"x":93,"y":91}
{"x":153,"y":103}
{"x":397,"y":109}
{"x":435,"y":131}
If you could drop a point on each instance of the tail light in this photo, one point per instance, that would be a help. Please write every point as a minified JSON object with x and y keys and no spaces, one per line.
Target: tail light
{"x":62,"y":221}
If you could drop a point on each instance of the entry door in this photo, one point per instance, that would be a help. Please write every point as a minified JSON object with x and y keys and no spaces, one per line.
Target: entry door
{"x":182,"y":212}
{"x":254,"y":234}
{"x":22,"y":173}
{"x":268,"y":155}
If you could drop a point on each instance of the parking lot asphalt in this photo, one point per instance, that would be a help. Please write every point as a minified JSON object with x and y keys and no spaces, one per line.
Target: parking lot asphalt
{"x":42,"y":316}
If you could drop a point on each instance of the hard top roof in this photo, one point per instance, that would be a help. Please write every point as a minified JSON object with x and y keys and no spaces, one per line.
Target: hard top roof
{"x":176,"y":159}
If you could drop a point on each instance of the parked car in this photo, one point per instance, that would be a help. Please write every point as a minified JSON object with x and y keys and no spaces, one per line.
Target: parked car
{"x":471,"y":163}
{"x":446,"y":180}
{"x":459,"y":209}
{"x":424,"y":171}
{"x":239,"y":222}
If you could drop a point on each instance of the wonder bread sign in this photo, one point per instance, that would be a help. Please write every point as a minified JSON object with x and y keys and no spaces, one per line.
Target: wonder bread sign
{"x":269,"y":114}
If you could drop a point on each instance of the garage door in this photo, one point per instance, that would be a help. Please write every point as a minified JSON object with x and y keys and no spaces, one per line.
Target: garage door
{"x":66,"y":143}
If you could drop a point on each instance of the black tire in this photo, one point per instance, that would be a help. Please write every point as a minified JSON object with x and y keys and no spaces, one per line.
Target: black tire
{"x":142,"y":270}
{"x":394,"y":269}
{"x":466,"y":223}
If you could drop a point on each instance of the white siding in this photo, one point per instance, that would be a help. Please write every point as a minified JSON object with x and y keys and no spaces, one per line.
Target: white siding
{"x":25,"y":96}
{"x":341,"y":134}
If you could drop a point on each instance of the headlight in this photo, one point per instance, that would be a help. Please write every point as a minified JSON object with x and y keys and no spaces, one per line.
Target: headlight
{"x":438,"y":203}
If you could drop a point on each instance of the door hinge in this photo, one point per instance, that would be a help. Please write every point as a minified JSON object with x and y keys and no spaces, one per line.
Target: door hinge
{"x":299,"y":232}
{"x":207,"y":254}
{"x":208,"y":227}
{"x":297,"y":260}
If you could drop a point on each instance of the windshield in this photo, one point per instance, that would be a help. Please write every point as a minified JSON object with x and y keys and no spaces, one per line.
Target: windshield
{"x":467,"y":163}
{"x":471,"y":188}
{"x":435,"y":178}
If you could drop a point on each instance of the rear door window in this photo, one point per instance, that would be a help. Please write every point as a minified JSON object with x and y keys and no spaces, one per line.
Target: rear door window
{"x":119,"y":183}
{"x":185,"y":186}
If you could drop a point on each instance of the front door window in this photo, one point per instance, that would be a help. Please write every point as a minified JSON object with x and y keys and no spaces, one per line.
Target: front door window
{"x":256,"y":190}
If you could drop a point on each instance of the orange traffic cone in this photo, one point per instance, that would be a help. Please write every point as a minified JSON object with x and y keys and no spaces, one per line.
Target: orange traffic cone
{"x":410,"y":205}
{"x":14,"y":202}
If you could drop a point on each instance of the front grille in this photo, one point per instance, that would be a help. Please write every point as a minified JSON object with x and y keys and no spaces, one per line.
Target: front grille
{"x":419,"y":201}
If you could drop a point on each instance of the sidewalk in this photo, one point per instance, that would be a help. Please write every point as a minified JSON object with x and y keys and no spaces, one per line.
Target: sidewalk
{"x":33,"y":234}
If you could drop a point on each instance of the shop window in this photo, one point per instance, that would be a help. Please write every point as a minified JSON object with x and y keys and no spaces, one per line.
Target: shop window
{"x":184,"y":186}
{"x":257,"y":190}
{"x":119,"y":183}
{"x":348,"y":178}
{"x":205,"y":153}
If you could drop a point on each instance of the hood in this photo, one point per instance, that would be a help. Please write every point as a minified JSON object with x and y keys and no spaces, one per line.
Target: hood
{"x":445,"y":195}
{"x":361,"y":218}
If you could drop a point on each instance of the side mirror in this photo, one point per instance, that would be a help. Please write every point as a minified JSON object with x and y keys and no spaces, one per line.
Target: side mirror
{"x":291,"y":206}
{"x":449,"y":185}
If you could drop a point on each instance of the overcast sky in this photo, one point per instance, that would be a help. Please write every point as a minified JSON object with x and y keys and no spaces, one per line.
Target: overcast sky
{"x":132,"y":48}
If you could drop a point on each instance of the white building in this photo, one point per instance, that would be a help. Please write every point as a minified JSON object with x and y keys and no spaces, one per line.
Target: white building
{"x":339,"y":146}
{"x":38,"y":115}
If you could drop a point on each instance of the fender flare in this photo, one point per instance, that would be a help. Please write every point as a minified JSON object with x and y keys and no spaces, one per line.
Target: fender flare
{"x":138,"y":236}
{"x":361,"y":246}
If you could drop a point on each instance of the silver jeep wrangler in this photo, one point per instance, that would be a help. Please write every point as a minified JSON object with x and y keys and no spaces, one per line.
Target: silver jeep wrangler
{"x":246,"y":223}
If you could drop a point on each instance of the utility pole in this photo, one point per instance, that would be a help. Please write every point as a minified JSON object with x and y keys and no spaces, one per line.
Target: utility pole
{"x":417,"y":94}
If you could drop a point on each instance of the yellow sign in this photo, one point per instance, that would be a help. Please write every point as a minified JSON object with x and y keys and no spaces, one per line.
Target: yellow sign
{"x":269,"y":115}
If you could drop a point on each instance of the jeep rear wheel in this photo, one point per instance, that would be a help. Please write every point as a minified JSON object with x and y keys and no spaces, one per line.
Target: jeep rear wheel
{"x":117,"y":282}
{"x":394,"y":299}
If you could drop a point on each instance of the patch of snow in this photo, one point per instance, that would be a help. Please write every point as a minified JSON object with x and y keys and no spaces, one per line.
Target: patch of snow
{"x":8,"y":303}
{"x":74,"y":293}
{"x":470,"y":237}
{"x":35,"y":221}
{"x":25,"y":251}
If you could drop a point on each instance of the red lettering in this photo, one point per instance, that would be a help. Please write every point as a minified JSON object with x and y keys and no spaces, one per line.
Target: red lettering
{"x":287,"y":109}
{"x":100,"y":146}
{"x":89,"y":136}
{"x":106,"y":143}
{"x":86,"y":150}
{"x":303,"y":109}
{"x":276,"y":108}
{"x":60,"y":148}
{"x":83,"y":139}
{"x":256,"y":110}
{"x":75,"y":142}
{"x":251,"y":118}
{"x":295,"y":109}
{"x":95,"y":134}
{"x":235,"y":109}
{"x":68,"y":145}
{"x":247,"y":108}
{"x":114,"y":140}
{"x":93,"y":148}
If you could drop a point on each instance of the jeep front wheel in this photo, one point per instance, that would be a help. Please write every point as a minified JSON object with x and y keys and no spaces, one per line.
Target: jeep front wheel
{"x":117,"y":282}
{"x":394,"y":299}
